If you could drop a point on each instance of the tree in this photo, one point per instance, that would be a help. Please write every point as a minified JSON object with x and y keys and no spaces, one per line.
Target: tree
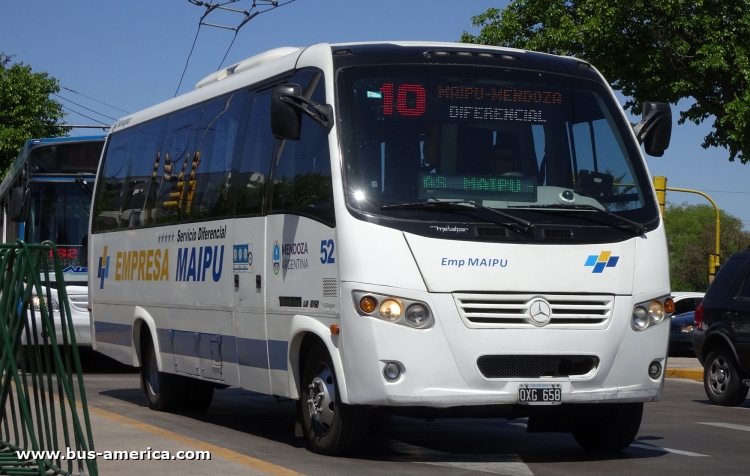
{"x":652,"y":50}
{"x":691,"y":238}
{"x":26,"y":110}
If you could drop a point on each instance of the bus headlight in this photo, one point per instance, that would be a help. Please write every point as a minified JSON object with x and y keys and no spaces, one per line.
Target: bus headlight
{"x":417,"y":315}
{"x":391,"y":309}
{"x":640,"y":318}
{"x":649,"y":313}
{"x":397,"y":310}
{"x":36,"y":302}
{"x":655,"y":312}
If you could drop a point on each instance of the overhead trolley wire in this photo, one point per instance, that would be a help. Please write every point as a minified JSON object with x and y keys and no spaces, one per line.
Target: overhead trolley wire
{"x":79,"y":105}
{"x":89,"y":97}
{"x":84,"y":115}
{"x":210,"y":7}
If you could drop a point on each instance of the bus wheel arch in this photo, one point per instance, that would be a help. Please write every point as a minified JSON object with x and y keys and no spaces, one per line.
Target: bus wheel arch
{"x":305,"y":332}
{"x":143,"y":322}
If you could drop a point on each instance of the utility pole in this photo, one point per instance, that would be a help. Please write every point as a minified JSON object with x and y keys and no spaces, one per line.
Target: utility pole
{"x":660,"y":184}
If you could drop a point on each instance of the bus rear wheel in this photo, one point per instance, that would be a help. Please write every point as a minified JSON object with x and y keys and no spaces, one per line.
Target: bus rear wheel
{"x":330,"y":427}
{"x":164,"y":391}
{"x":606,"y":426}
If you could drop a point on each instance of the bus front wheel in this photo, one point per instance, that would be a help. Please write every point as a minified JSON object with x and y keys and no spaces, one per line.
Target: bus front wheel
{"x":164,"y":391}
{"x":330,"y":427}
{"x":606,"y":426}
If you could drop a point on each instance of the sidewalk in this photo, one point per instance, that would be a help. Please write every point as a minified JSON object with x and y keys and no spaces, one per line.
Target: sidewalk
{"x":113,"y":432}
{"x":684,"y":367}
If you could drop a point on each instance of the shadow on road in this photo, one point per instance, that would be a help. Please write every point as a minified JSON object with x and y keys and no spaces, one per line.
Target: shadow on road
{"x":396,"y":438}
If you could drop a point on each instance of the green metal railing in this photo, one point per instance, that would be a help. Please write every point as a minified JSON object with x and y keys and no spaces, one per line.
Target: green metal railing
{"x":38,"y":362}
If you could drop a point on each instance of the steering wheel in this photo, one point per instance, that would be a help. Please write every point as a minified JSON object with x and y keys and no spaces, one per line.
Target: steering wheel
{"x":513,"y":174}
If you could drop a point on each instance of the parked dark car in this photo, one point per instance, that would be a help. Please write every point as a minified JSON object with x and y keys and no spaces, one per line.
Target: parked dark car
{"x":722,"y":332}
{"x":681,"y":335}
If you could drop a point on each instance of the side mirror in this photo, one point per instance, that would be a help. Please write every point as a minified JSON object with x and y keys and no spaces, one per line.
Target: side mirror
{"x":655,"y":128}
{"x":286,"y":119}
{"x":85,"y":240}
{"x":19,"y":204}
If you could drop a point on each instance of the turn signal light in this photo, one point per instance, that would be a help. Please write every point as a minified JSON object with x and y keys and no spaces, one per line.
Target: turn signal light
{"x":669,"y":306}
{"x":335,"y":329}
{"x":368,"y":304}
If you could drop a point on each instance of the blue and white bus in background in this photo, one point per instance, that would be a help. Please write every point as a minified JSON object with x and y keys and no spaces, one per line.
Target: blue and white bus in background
{"x":435,"y":229}
{"x":46,"y":195}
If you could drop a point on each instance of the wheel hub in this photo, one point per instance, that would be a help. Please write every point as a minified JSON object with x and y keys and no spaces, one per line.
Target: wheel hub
{"x":322,"y":398}
{"x":719,"y":376}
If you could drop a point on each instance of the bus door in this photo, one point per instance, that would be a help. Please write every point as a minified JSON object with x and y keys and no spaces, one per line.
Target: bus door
{"x":248,"y":257}
{"x":300,"y":233}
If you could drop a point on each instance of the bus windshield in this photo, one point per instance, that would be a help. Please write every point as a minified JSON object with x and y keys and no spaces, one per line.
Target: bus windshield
{"x":502,"y":138}
{"x":59,"y":211}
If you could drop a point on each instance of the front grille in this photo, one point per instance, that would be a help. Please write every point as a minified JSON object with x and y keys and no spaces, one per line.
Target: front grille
{"x":513,"y":310}
{"x":79,"y":302}
{"x":535,"y":366}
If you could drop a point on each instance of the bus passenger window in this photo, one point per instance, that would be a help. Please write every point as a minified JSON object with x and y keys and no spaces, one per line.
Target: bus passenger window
{"x":255,"y":164}
{"x":109,"y":197}
{"x":178,"y":150}
{"x":209,"y":171}
{"x":302,"y":170}
{"x":139,"y":192}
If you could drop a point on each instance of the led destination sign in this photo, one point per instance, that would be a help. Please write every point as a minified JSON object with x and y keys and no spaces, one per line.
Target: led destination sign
{"x":506,"y":188}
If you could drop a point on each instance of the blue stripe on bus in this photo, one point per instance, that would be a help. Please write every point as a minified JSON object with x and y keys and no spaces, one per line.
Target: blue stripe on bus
{"x":255,"y":353}
{"x":277,"y":352}
{"x":229,"y":349}
{"x":252,"y":353}
{"x":111,"y":333}
{"x":165,"y":341}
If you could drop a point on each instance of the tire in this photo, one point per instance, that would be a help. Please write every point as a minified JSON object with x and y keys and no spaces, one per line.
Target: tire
{"x":199,"y":396}
{"x":164,"y":391}
{"x":606,"y":426}
{"x":329,"y":426}
{"x":722,"y":378}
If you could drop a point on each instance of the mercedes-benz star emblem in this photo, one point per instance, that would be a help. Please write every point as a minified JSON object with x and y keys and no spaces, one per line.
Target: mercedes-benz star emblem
{"x":540,"y":311}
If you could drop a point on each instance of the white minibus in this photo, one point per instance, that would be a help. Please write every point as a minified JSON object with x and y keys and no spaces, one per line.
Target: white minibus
{"x":434,"y":229}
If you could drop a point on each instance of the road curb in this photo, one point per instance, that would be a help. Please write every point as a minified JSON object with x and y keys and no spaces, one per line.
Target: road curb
{"x":692,"y":374}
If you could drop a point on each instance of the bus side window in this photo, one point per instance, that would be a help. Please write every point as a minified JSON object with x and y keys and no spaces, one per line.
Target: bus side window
{"x":209,"y":171}
{"x":302,"y":170}
{"x":110,"y":194}
{"x":139,"y":191}
{"x":255,"y":163}
{"x":177,"y":151}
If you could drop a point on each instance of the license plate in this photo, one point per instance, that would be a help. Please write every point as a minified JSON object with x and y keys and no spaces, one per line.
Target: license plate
{"x":540,"y":394}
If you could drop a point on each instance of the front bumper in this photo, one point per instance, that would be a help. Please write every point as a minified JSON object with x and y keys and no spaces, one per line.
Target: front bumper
{"x":440,"y":369}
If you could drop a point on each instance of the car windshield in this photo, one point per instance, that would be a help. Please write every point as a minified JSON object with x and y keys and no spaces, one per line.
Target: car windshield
{"x":498,"y":137}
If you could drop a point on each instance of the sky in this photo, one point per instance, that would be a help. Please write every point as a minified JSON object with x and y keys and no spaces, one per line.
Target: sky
{"x":121,"y":56}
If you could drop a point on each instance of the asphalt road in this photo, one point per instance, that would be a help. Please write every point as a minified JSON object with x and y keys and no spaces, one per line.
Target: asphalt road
{"x":683,"y":434}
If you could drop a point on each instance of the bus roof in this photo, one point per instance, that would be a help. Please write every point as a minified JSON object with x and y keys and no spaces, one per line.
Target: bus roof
{"x":280,"y":60}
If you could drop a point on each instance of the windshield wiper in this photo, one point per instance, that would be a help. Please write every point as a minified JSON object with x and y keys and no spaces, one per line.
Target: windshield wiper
{"x":625,"y":223}
{"x":518,"y":224}
{"x":85,"y":186}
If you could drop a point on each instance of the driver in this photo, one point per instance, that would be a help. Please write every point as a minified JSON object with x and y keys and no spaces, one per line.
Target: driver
{"x":501,"y":160}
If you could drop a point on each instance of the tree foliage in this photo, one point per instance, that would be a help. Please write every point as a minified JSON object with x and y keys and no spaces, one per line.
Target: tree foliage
{"x":652,"y":50}
{"x":691,"y":239}
{"x":26,"y":110}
